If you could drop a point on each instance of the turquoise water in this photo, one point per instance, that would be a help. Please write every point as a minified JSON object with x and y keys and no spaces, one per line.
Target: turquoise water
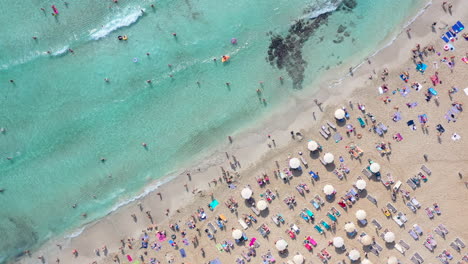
{"x":61,"y":116}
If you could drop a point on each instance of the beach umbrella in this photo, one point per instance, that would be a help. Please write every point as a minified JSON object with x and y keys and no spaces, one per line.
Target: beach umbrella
{"x":294,"y":163}
{"x":298,"y":259}
{"x":281,"y":244}
{"x":262,"y":205}
{"x":236,"y":234}
{"x":339,"y":114}
{"x":392,"y":260}
{"x":361,"y":184}
{"x":366,"y":240}
{"x":328,"y":158}
{"x":354,"y":255}
{"x":361,"y":214}
{"x":350,"y":227}
{"x":328,"y":189}
{"x":366,"y":261}
{"x":312,"y":145}
{"x":375,"y":167}
{"x":338,"y":242}
{"x":389,"y":237}
{"x":246,"y":193}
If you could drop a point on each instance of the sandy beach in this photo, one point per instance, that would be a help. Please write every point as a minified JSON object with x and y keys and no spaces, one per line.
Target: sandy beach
{"x":267,"y":149}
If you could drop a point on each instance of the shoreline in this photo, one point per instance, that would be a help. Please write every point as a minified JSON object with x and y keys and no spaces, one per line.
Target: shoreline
{"x":241,"y":148}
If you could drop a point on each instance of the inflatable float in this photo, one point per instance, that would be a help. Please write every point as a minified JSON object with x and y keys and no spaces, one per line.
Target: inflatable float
{"x":225,"y":58}
{"x":55,"y":10}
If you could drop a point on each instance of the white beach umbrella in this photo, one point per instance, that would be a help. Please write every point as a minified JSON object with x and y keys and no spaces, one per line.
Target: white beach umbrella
{"x":262,"y":205}
{"x":281,"y":244}
{"x":328,"y":158}
{"x":361,"y":184}
{"x":361,"y":214}
{"x":294,"y":163}
{"x":366,"y":261}
{"x":312,"y":145}
{"x":298,"y":259}
{"x":339,"y":114}
{"x":246,"y":193}
{"x":389,"y":237}
{"x":375,"y":167}
{"x":354,"y":255}
{"x":392,"y":260}
{"x":350,"y":227}
{"x":236,"y":234}
{"x":366,"y":240}
{"x":328,"y":189}
{"x":338,"y":242}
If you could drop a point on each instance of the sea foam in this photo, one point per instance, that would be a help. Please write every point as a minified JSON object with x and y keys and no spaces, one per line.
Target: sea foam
{"x":119,"y":22}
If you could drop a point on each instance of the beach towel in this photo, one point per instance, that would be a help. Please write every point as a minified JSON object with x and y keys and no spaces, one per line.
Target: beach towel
{"x":129,"y":258}
{"x":421,"y":67}
{"x":412,"y":105}
{"x":213,"y":204}
{"x":455,"y":137}
{"x":422,"y":118}
{"x":182,"y":253}
{"x":252,"y":241}
{"x":397,"y":116}
{"x":215,"y":261}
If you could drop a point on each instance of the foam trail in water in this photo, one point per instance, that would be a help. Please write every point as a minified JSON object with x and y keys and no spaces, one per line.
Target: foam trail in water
{"x":61,"y":51}
{"x":119,"y":22}
{"x":320,"y":8}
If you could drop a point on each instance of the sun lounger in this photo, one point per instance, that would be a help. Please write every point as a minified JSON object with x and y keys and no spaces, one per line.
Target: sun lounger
{"x":416,"y":254}
{"x":411,"y":207}
{"x":404,"y":244}
{"x":443,"y":228}
{"x":415,"y":202}
{"x":428,"y":246}
{"x":315,"y":204}
{"x":319,"y":200}
{"x":426,"y":170}
{"x":402,"y":217}
{"x":439,"y":232}
{"x":335,"y":211}
{"x":411,"y":184}
{"x":325,"y":135}
{"x":413,"y":234}
{"x":319,"y":229}
{"x":331,"y":216}
{"x":372,"y":199}
{"x":243,"y":223}
{"x":275,"y":220}
{"x":366,"y":173}
{"x":417,"y":229}
{"x":455,"y":246}
{"x":397,"y":220}
{"x":400,"y":249}
{"x":331,"y":125}
{"x":294,"y":228}
{"x":415,"y":260}
{"x":326,"y":130}
{"x":429,"y":213}
{"x":391,"y":207}
{"x":374,"y":251}
{"x":378,"y":247}
{"x":377,"y":224}
{"x":460,"y":242}
{"x":325,"y":224}
{"x":361,"y":122}
{"x":255,"y":210}
{"x":212,"y":227}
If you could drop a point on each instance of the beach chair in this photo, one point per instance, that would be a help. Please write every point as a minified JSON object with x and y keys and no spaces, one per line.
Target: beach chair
{"x":323,"y":134}
{"x":312,"y":241}
{"x":372,"y":199}
{"x":309,"y":212}
{"x":338,"y":174}
{"x":378,"y":247}
{"x":303,"y":161}
{"x":413,"y":234}
{"x":455,"y":246}
{"x":417,"y":229}
{"x":437,"y":209}
{"x":415,"y":202}
{"x":404,"y":244}
{"x":429,"y":246}
{"x":426,"y":170}
{"x":374,"y":251}
{"x":275,"y":220}
{"x":326,"y":130}
{"x":294,"y":228}
{"x":391,"y":207}
{"x":319,"y":229}
{"x":366,"y":173}
{"x":376,"y":224}
{"x":400,"y":249}
{"x":383,"y":127}
{"x":402,"y":217}
{"x":415,"y":260}
{"x":443,"y":228}
{"x":411,"y":207}
{"x":319,"y":200}
{"x":411,"y":184}
{"x":304,"y":216}
{"x":212,"y":227}
{"x":314,"y":175}
{"x":308,"y":246}
{"x":331,"y":125}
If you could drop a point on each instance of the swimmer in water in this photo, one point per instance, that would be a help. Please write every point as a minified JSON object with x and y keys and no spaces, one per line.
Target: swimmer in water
{"x":147,"y":53}
{"x":106,"y":79}
{"x":174,"y":34}
{"x":74,"y":206}
{"x":148,"y":81}
{"x":144,"y":145}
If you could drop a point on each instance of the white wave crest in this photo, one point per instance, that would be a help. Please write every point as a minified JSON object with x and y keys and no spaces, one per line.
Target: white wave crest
{"x":61,"y":51}
{"x":321,"y":7}
{"x":120,"y":22}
